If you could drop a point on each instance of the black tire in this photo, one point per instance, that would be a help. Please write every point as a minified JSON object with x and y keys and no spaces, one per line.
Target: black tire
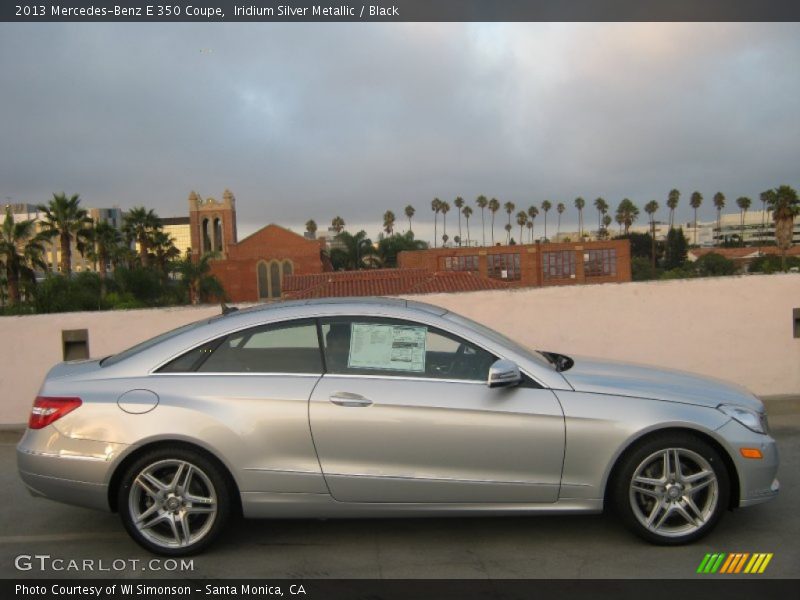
{"x":199,"y":504}
{"x":676,"y":520}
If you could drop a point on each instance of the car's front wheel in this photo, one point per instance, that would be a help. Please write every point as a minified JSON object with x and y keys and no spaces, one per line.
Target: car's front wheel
{"x":173,"y":501}
{"x":672,"y":489}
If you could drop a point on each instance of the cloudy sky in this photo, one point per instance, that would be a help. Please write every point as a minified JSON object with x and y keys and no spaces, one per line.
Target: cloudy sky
{"x":313,"y":120}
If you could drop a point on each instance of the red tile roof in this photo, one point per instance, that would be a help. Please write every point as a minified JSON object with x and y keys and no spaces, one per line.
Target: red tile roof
{"x":385,"y":282}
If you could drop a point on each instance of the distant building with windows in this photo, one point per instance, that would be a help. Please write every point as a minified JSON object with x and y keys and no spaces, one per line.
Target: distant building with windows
{"x":526,"y":265}
{"x":25,"y":212}
{"x":759,"y":228}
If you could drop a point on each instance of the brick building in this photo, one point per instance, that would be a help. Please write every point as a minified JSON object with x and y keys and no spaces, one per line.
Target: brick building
{"x":526,"y":265}
{"x":254,"y":269}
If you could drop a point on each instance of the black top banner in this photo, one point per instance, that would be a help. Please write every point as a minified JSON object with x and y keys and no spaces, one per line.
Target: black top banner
{"x":400,"y":10}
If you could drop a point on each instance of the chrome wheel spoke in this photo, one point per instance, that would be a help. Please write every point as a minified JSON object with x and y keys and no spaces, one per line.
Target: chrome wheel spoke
{"x":693,"y":513}
{"x":159,"y":518}
{"x":150,"y":484}
{"x":676,"y":464}
{"x":647,"y":491}
{"x":698,"y":481}
{"x":667,"y":512}
{"x":184,"y":528}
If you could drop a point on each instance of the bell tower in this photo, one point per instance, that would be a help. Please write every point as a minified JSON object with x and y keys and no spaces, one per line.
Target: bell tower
{"x":212,"y":224}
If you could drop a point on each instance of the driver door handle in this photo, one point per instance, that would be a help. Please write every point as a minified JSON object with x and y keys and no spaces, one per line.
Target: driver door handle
{"x":348,"y":399}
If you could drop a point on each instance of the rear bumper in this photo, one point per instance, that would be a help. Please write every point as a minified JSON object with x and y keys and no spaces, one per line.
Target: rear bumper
{"x":65,"y":469}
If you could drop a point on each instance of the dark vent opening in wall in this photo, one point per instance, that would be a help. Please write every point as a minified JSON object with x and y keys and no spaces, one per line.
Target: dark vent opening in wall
{"x":796,"y":322}
{"x":75,"y":344}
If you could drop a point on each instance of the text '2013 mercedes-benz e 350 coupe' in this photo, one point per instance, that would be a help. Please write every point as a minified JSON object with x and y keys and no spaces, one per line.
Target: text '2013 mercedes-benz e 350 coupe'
{"x":378,"y":408}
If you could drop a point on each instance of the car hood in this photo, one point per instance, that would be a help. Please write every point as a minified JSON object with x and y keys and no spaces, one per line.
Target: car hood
{"x":625,"y":379}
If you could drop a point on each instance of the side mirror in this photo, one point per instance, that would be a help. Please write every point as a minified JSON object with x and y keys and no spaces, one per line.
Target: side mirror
{"x":504,"y":373}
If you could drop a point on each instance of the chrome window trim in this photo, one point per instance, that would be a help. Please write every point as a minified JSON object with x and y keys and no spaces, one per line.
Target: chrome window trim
{"x":422,"y":319}
{"x":237,"y":374}
{"x":401,"y":377}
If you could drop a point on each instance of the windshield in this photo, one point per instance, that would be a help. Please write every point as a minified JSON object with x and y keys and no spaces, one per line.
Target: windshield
{"x":500,"y":338}
{"x":142,"y":346}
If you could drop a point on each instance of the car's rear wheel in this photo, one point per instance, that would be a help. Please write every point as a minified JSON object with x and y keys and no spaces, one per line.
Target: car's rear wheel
{"x":672,"y":489}
{"x":173,"y":501}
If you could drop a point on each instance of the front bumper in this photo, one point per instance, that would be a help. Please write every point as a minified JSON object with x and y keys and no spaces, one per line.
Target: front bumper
{"x":65,"y":469}
{"x":757,"y":477}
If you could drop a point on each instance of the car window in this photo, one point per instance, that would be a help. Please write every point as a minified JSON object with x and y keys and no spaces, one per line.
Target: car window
{"x":147,"y":344}
{"x":391,"y":347}
{"x":277,"y":348}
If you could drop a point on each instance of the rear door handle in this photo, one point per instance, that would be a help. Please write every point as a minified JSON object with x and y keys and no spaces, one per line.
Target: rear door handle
{"x":348,"y":399}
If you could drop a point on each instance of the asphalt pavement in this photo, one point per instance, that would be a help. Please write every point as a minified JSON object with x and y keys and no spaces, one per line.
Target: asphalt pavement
{"x":82,"y":543}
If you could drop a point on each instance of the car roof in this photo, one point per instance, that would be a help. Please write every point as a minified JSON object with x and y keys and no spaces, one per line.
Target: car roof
{"x":352,"y":303}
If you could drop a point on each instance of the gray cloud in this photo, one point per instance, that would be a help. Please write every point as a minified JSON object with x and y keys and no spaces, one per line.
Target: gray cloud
{"x":316,"y":120}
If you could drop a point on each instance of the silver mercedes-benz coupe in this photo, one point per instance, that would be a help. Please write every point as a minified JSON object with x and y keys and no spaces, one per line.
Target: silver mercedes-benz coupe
{"x":377,"y":408}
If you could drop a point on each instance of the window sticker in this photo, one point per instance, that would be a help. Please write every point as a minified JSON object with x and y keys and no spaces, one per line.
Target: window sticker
{"x":387,"y":347}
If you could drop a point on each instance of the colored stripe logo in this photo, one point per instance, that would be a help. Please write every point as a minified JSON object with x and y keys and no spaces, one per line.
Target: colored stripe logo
{"x":735,"y":563}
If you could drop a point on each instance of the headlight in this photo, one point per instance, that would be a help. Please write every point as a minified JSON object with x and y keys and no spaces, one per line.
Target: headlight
{"x":754,"y":421}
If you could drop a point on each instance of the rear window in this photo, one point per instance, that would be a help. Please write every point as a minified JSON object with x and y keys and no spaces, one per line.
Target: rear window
{"x":147,"y":344}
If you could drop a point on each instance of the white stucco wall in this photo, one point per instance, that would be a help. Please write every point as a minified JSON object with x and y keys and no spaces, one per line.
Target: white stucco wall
{"x":736,"y":328}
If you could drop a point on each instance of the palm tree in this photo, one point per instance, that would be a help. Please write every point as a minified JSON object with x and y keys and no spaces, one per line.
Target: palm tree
{"x":546,"y":206}
{"x":673,"y":198}
{"x":579,"y":204}
{"x":139,"y":225}
{"x":106,"y":240}
{"x":64,"y":218}
{"x":743,"y":203}
{"x":388,"y":222}
{"x":529,"y":225}
{"x":198,"y":280}
{"x":409,"y":210}
{"x":436,"y":206}
{"x":522,"y":220}
{"x":560,"y":208}
{"x":764,"y":197}
{"x":651,"y":208}
{"x":482,"y":202}
{"x":311,"y":227}
{"x":164,"y":251}
{"x":606,"y":222}
{"x":390,"y":247}
{"x":459,"y":204}
{"x":509,"y":208}
{"x":445,"y":208}
{"x":355,"y":249}
{"x":602,"y":206}
{"x":719,"y":204}
{"x":627,"y":213}
{"x":21,"y":251}
{"x":467,"y":210}
{"x":337,"y":224}
{"x":507,"y":227}
{"x":695,"y":201}
{"x":494,"y":206}
{"x":785,"y":206}
{"x":533,"y":212}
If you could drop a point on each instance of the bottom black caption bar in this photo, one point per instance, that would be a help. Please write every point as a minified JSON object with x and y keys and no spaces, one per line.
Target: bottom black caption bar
{"x":390,"y":589}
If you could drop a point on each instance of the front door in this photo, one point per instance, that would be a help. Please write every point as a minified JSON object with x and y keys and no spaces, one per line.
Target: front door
{"x":404,"y":415}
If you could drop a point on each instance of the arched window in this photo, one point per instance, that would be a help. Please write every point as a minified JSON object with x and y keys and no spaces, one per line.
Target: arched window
{"x":287,"y":268}
{"x":263,"y":281}
{"x":206,"y":236}
{"x":217,"y":235}
{"x":275,"y":280}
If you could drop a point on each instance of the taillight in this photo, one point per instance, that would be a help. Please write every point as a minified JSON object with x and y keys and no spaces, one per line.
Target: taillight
{"x":47,"y":409}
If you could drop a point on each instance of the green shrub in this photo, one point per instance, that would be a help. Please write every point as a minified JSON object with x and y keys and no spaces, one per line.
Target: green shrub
{"x":714,"y":265}
{"x":771,"y":263}
{"x":642,"y":269}
{"x":61,"y":294}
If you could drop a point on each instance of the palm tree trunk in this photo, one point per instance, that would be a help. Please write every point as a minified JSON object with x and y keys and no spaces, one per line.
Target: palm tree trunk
{"x":459,"y":225}
{"x":435,"y":229}
{"x":66,"y":254}
{"x":12,"y":281}
{"x":483,"y":228}
{"x":468,"y":232}
{"x":492,"y":228}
